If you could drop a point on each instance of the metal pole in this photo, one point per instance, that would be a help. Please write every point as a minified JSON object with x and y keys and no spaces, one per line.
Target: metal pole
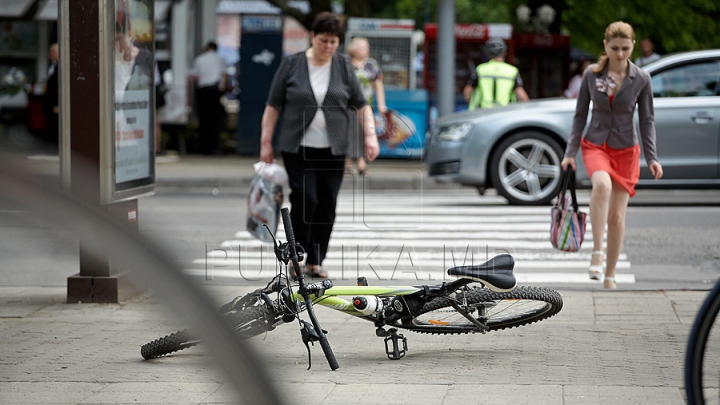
{"x":446,"y":57}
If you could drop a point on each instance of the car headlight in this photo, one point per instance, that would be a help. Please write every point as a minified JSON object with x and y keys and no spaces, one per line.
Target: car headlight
{"x":453,"y":132}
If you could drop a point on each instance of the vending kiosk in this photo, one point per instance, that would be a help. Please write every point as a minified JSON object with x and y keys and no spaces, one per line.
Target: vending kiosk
{"x":401,"y":132}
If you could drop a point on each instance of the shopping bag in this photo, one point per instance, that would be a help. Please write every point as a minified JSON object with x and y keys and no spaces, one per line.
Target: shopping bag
{"x":265,"y":198}
{"x":568,"y":223}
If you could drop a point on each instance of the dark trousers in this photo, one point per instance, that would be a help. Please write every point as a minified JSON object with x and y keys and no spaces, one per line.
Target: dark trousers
{"x":315,"y":176}
{"x":211,"y":116}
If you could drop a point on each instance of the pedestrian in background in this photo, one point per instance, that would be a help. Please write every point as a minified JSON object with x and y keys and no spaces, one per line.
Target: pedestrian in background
{"x":610,"y":147}
{"x":648,"y":53}
{"x":368,"y":72}
{"x":574,"y":84}
{"x":318,"y":95}
{"x":51,"y":102}
{"x":494,"y":83}
{"x":209,"y":79}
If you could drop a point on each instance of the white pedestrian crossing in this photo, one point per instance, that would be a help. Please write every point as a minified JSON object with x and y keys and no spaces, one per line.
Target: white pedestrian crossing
{"x":417,"y":236}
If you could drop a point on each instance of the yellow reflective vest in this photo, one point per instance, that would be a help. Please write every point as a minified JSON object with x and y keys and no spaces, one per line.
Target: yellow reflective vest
{"x":496,"y":85}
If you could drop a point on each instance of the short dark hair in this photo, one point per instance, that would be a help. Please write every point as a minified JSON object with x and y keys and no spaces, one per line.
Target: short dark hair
{"x":211,"y":45}
{"x":327,"y":23}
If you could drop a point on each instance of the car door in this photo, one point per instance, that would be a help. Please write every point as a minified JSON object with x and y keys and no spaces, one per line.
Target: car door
{"x":687,"y":121}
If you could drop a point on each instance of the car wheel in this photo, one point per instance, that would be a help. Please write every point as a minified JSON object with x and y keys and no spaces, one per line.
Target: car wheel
{"x":525,"y":168}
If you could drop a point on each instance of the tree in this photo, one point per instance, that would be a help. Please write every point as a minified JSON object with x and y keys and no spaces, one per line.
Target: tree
{"x":673,"y":25}
{"x":316,"y":7}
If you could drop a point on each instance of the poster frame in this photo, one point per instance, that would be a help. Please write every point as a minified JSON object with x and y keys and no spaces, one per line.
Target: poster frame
{"x":112,"y":191}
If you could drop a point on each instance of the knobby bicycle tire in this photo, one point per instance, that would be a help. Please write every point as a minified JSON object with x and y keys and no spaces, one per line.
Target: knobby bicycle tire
{"x":168,"y":344}
{"x":247,"y":323}
{"x":522,"y":306}
{"x":697,"y":345}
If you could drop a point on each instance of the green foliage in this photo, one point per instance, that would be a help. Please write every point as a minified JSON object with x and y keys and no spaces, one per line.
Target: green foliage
{"x":673,"y":25}
{"x":466,"y":11}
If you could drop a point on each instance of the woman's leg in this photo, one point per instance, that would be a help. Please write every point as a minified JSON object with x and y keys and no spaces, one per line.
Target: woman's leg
{"x":616,"y":229}
{"x":599,"y":203}
{"x":303,"y":200}
{"x":328,"y":181}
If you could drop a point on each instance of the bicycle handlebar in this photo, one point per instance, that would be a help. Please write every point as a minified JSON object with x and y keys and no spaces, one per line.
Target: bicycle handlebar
{"x":290,"y":235}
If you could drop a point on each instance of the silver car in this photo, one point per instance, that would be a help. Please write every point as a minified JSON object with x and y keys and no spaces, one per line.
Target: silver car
{"x":517,"y":149}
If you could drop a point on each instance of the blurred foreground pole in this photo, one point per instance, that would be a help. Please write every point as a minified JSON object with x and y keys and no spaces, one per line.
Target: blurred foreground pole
{"x":81,"y":58}
{"x":446,"y":57}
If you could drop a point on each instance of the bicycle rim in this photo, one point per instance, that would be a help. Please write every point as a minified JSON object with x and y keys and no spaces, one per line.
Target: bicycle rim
{"x":702,"y":358}
{"x":522,"y":306}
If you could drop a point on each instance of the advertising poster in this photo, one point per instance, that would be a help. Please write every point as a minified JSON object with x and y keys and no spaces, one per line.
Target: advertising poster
{"x":134,"y":68}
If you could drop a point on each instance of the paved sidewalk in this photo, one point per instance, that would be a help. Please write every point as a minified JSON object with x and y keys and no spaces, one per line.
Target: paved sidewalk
{"x":603,"y":348}
{"x":237,"y":171}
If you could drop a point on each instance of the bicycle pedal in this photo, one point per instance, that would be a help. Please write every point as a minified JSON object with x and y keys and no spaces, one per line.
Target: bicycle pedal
{"x":396,"y":353}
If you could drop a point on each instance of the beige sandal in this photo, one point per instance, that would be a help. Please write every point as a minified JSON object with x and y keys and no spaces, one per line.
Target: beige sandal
{"x":613,"y":286}
{"x":595,"y":271}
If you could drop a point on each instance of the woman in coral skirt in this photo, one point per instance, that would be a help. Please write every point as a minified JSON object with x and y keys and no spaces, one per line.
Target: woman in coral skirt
{"x":610,"y":148}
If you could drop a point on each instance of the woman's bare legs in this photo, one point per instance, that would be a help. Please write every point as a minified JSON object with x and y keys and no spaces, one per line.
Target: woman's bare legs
{"x":616,"y":230}
{"x":599,"y":204}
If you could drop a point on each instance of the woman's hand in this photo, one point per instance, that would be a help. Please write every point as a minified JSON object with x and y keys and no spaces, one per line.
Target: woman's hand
{"x":372,"y":147}
{"x":267,"y":153}
{"x":568,"y":161}
{"x":656,"y":170}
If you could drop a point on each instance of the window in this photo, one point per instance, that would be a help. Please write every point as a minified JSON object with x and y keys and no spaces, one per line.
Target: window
{"x":693,"y":80}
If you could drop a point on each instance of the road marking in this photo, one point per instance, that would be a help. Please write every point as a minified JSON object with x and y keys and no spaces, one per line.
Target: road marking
{"x":398,"y":236}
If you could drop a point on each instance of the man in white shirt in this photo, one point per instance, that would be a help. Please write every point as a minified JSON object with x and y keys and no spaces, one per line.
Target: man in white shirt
{"x":209,"y":78}
{"x":648,"y":54}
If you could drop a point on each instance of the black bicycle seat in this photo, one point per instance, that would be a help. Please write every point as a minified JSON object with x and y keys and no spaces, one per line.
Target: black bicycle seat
{"x":496,"y":273}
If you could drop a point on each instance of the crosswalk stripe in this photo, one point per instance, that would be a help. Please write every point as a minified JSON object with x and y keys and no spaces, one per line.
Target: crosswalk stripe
{"x":408,"y":237}
{"x":344,"y":278}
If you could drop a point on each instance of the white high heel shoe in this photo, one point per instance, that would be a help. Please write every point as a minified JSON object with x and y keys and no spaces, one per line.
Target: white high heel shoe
{"x":609,"y":286}
{"x":595,"y":271}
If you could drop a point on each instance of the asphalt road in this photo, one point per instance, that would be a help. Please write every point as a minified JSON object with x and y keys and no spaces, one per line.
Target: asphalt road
{"x":671,"y":245}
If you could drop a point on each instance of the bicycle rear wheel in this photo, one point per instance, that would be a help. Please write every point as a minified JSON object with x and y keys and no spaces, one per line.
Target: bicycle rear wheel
{"x":522,"y":306}
{"x":247,"y":323}
{"x":702,"y":358}
{"x":168,"y":344}
{"x":251,"y":321}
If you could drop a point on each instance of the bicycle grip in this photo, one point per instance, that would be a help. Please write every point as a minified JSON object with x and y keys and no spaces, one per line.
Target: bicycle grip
{"x":329,"y":355}
{"x":287,"y":223}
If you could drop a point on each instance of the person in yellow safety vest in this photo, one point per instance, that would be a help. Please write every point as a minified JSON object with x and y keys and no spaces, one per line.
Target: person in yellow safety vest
{"x":494,"y":83}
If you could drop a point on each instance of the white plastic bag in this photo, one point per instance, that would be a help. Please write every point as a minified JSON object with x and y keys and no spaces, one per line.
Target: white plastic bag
{"x":265,"y":198}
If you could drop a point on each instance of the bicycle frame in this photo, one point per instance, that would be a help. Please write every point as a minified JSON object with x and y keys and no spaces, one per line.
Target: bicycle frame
{"x":331,"y":298}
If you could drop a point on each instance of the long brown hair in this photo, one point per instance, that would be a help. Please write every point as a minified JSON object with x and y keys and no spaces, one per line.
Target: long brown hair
{"x":618,"y":29}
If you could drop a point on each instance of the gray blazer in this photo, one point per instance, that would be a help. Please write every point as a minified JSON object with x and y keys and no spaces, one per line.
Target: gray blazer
{"x":292,"y":93}
{"x":614,"y":123}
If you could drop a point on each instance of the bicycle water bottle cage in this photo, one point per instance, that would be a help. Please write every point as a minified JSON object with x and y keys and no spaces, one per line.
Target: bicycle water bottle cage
{"x":496,"y":274}
{"x":396,"y":353}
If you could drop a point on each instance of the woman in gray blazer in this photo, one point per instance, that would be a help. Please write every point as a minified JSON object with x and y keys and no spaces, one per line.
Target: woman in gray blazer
{"x":610,"y":149}
{"x":321,"y":102}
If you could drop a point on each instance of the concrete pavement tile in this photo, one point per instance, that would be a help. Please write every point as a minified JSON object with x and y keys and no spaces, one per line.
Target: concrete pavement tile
{"x":35,"y":393}
{"x":504,"y":394}
{"x":292,"y":393}
{"x":376,"y":393}
{"x":686,"y":304}
{"x":19,"y":302}
{"x":152,"y":393}
{"x":625,"y":395}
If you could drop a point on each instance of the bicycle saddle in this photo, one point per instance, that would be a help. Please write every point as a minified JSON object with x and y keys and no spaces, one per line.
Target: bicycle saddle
{"x":496,"y":273}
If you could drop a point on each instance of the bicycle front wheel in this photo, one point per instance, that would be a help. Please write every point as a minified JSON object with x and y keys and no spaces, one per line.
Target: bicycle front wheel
{"x":702,"y":359}
{"x":522,"y":306}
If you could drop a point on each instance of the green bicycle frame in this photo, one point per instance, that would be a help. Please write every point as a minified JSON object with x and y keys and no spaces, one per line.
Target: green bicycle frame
{"x":331,"y":297}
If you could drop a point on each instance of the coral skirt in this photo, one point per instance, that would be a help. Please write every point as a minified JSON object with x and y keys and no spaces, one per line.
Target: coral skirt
{"x":623,"y":165}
